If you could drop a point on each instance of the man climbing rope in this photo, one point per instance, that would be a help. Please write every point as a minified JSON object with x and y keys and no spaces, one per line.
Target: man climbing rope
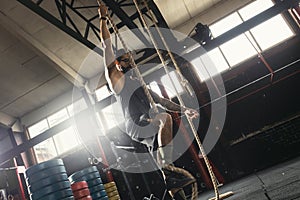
{"x":154,"y":131}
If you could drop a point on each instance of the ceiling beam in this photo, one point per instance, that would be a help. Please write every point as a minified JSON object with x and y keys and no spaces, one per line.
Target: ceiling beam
{"x":6,"y":119}
{"x":117,"y":10}
{"x":67,"y":71}
{"x":62,"y":24}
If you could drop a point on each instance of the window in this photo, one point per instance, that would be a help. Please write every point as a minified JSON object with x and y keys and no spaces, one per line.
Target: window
{"x":61,"y":142}
{"x":255,"y":8}
{"x":76,"y":107}
{"x":66,"y":140}
{"x":168,"y":82}
{"x":248,"y":44}
{"x":112,"y":116}
{"x":218,"y":60}
{"x":45,"y":150}
{"x":155,"y":88}
{"x":225,"y":24}
{"x":210,"y":64}
{"x":58,"y":117}
{"x":38,"y":128}
{"x":264,"y":33}
{"x":102,"y":93}
{"x":237,"y":50}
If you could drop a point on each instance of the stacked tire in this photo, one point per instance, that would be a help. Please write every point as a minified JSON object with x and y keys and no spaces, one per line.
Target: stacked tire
{"x":81,"y":191}
{"x":48,"y":181}
{"x":112,"y":191}
{"x":92,"y":176}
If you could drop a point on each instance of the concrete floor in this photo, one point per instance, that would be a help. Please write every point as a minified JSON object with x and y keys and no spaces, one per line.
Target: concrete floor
{"x":281,"y":182}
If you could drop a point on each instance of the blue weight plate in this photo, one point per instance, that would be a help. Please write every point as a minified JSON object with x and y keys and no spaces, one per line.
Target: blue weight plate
{"x":50,"y":189}
{"x":87,"y":177}
{"x":97,"y":188}
{"x":44,"y":165}
{"x":98,"y":194}
{"x":94,"y":182}
{"x":77,"y":175}
{"x":89,"y":170}
{"x":91,"y":176}
{"x":45,"y":174}
{"x":65,"y":193}
{"x":47,"y":181}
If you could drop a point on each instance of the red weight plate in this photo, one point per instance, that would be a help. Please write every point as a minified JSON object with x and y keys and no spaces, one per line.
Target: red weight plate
{"x":81,"y":193}
{"x":86,"y":198}
{"x":79,"y":185}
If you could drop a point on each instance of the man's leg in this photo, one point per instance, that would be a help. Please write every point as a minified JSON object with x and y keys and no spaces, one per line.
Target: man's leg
{"x":165,"y":139}
{"x":173,"y":180}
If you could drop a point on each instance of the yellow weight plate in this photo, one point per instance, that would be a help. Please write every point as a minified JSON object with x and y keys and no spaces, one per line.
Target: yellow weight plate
{"x":116,"y":197}
{"x":110,"y":184}
{"x":111,"y":189}
{"x":113,"y":193}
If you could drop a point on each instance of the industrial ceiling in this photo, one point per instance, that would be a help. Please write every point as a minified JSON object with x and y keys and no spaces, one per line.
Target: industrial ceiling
{"x":40,"y":62}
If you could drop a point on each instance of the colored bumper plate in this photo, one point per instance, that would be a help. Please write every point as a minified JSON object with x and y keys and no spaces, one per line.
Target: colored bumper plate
{"x":44,"y":165}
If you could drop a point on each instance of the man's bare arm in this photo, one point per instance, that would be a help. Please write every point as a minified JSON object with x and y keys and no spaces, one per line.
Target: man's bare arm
{"x":166,"y":103}
{"x":172,"y":106}
{"x":105,"y":37}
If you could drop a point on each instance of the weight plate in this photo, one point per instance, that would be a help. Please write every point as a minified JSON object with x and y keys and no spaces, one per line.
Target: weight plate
{"x":44,"y":165}
{"x":91,"y":176}
{"x":86,"y":198}
{"x":112,"y":193}
{"x":50,"y":189}
{"x":45,"y":173}
{"x":110,"y":184}
{"x":77,"y":175}
{"x":47,"y":181}
{"x":88,"y":177}
{"x":116,"y":197}
{"x":58,"y":195}
{"x":94,"y":182}
{"x":99,"y":194}
{"x":111,"y":189}
{"x":81,"y":193}
{"x":89,"y":170}
{"x":79,"y":185}
{"x":96,"y":188}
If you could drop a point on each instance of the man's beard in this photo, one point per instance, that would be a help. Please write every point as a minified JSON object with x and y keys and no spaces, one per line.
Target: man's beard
{"x":126,"y":69}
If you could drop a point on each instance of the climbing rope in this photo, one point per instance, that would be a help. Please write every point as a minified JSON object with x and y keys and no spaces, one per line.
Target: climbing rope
{"x":209,"y":168}
{"x":183,"y":81}
{"x":186,"y":174}
{"x":153,"y":105}
{"x":135,"y":68}
{"x":182,"y":171}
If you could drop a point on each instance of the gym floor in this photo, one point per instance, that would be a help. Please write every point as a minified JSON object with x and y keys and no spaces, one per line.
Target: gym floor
{"x":281,"y":182}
